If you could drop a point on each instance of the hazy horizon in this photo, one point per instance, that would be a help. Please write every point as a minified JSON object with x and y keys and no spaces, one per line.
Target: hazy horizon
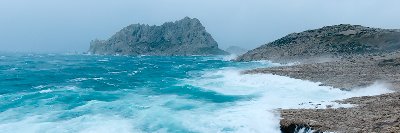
{"x":68,"y":26}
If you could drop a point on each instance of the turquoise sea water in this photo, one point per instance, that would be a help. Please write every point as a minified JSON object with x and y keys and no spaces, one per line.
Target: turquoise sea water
{"x":87,"y":93}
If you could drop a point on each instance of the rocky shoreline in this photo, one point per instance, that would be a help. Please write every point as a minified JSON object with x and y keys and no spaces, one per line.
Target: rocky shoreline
{"x":346,"y":74}
{"x":372,"y":114}
{"x":342,"y":56}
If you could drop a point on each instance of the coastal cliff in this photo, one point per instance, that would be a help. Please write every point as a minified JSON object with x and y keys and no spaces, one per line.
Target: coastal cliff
{"x":327,"y":43}
{"x":184,"y":37}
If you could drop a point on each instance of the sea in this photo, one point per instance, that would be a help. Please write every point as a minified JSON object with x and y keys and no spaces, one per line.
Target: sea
{"x":75,"y":93}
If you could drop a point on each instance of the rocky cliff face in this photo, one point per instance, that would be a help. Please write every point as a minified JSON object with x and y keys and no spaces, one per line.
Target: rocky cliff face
{"x":330,"y":42}
{"x":183,"y":37}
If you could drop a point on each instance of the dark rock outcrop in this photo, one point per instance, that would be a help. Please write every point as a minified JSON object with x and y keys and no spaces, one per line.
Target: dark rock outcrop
{"x":184,"y":37}
{"x":330,"y":42}
{"x":291,"y":127}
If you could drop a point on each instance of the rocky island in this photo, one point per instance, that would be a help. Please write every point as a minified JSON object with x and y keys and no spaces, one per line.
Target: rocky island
{"x":346,"y":57}
{"x":236,"y":50}
{"x":184,"y":37}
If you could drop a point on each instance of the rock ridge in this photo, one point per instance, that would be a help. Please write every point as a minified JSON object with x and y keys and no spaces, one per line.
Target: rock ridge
{"x":329,"y":42}
{"x":183,"y":37}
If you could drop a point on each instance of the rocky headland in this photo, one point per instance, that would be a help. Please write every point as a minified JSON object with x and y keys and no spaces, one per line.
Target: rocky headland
{"x":184,"y":37}
{"x":327,"y":44}
{"x":346,"y":57}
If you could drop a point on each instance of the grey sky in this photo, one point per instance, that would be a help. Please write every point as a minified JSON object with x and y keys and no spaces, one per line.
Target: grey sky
{"x":69,"y":25}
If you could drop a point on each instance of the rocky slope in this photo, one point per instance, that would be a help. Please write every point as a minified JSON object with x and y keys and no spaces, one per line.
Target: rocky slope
{"x":184,"y":37}
{"x":326,"y":44}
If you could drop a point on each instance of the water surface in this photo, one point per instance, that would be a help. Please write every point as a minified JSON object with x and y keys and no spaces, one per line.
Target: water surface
{"x":87,"y":93}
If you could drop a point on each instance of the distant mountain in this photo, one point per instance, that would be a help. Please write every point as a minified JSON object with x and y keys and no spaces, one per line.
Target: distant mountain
{"x":334,"y":42}
{"x":236,"y":50}
{"x":184,"y":37}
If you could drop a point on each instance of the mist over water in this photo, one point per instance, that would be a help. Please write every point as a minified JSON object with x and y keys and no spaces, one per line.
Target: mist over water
{"x":85,"y":93}
{"x":70,"y":25}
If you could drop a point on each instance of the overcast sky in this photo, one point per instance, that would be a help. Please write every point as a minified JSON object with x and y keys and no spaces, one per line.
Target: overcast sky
{"x":69,"y":25}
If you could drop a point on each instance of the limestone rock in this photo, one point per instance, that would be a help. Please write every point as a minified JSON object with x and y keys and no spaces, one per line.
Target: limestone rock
{"x":330,"y":42}
{"x":184,"y":37}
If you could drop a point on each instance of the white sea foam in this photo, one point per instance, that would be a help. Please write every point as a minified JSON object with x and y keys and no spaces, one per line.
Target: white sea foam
{"x":271,"y":92}
{"x":271,"y":63}
{"x":71,"y":88}
{"x":98,"y":78}
{"x":84,"y":79}
{"x":78,"y":79}
{"x":134,"y":72}
{"x":12,"y":69}
{"x":117,"y":72}
{"x":231,"y":82}
{"x":46,"y":91}
{"x":229,"y":57}
{"x":39,"y":87}
{"x":104,"y":60}
{"x":84,"y":124}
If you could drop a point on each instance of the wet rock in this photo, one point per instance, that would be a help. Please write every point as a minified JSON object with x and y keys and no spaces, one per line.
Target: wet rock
{"x":390,"y":62}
